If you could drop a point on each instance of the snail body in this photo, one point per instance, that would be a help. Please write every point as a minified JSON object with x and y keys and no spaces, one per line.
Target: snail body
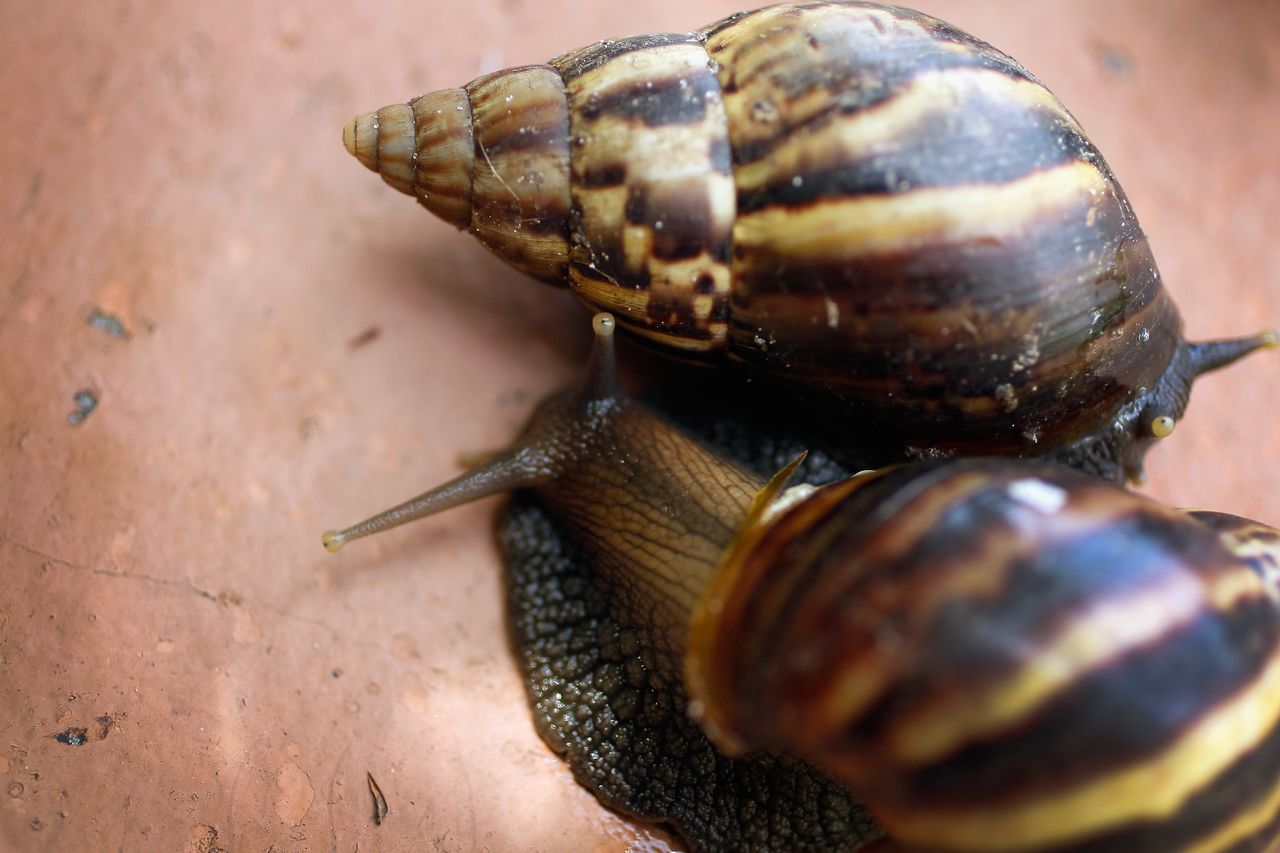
{"x":989,"y":654}
{"x":889,"y":213}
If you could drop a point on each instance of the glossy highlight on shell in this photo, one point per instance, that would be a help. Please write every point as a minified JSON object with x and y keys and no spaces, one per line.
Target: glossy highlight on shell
{"x":889,"y":213}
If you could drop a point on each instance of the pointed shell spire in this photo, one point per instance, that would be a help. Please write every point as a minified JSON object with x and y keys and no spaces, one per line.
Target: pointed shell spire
{"x":423,"y":149}
{"x":491,"y":158}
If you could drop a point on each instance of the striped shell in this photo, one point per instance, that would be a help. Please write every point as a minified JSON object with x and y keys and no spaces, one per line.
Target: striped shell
{"x":1010,"y":657}
{"x":859,"y":198}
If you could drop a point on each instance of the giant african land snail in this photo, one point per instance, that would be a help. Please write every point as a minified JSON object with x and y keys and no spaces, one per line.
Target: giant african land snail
{"x":862,"y":201}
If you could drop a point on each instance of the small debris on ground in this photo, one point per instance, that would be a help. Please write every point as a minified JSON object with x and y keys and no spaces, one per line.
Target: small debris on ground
{"x":74,"y":736}
{"x":380,"y":807}
{"x":368,"y":336}
{"x":85,"y":402}
{"x":107,"y":322}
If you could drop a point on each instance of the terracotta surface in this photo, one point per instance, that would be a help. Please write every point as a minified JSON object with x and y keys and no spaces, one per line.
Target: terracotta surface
{"x":304,"y":346}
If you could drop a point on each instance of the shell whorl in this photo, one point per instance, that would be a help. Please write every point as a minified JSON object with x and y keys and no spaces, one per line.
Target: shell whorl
{"x":424,"y":149}
{"x":1009,"y":657}
{"x":491,"y":157}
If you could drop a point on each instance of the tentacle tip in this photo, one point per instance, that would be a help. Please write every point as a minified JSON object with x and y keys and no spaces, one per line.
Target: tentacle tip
{"x":333,"y":541}
{"x":604,"y":324}
{"x":1270,"y":339}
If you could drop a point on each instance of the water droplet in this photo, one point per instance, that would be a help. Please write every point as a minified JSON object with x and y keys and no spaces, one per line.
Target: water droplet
{"x":764,"y":112}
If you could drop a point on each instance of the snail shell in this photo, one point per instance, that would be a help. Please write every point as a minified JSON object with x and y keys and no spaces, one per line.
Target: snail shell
{"x":861,"y":199}
{"x":989,"y":654}
{"x":1001,"y":656}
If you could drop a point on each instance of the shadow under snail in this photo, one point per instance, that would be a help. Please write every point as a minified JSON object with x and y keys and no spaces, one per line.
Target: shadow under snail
{"x":990,"y":654}
{"x":888,"y":213}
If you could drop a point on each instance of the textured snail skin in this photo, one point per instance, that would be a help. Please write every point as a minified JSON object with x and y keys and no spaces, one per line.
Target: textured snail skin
{"x":612,"y":705}
{"x":885,"y":211}
{"x":1003,"y":656}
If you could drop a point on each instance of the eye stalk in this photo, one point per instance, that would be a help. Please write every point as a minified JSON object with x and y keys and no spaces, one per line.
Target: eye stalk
{"x":333,"y":541}
{"x":1162,"y":427}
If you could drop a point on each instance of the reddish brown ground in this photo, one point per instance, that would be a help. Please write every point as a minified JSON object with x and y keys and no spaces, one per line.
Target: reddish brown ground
{"x":178,"y":166}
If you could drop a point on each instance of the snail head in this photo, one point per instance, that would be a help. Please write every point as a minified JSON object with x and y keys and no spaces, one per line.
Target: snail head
{"x":1155,"y":414}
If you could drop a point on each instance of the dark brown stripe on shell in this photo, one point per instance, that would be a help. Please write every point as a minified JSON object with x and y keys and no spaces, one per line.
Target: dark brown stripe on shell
{"x":983,"y":140}
{"x":655,"y":102}
{"x":1127,"y":711}
{"x":1038,"y":596}
{"x":681,"y":219}
{"x":856,"y":66}
{"x":519,"y":125}
{"x":601,"y":176}
{"x":573,"y":65}
{"x":653,"y":193}
{"x":1241,"y":786}
{"x":727,"y":22}
{"x":1227,"y":523}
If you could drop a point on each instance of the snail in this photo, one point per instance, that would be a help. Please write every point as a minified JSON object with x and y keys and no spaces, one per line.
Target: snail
{"x":888,"y":213}
{"x":989,"y":654}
